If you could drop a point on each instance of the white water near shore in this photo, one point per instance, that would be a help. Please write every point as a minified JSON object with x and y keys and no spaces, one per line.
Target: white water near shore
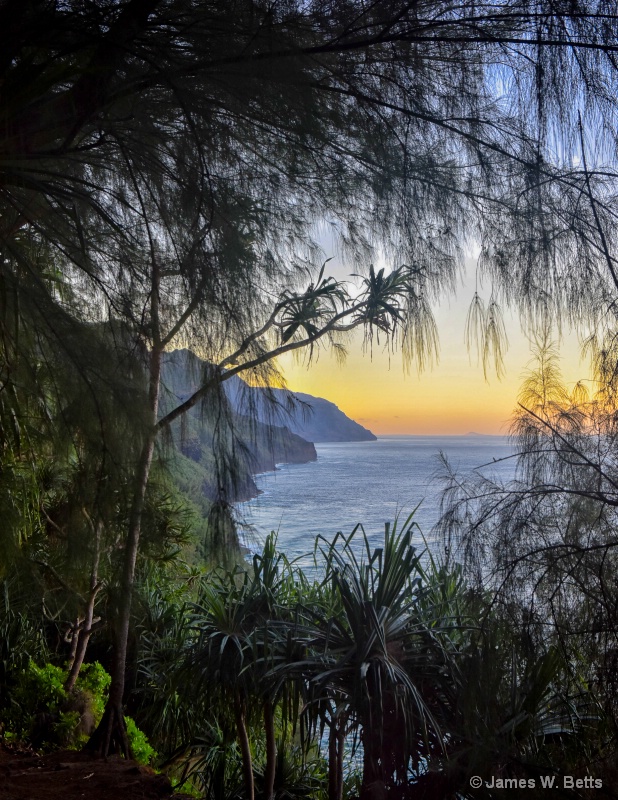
{"x":366,"y":482}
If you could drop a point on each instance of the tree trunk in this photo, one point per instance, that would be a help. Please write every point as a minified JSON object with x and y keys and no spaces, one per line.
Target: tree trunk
{"x":110,"y":736}
{"x":72,"y":636}
{"x":82,"y":637}
{"x":340,"y":733}
{"x":85,"y":629}
{"x":336,"y":741}
{"x":373,"y":786}
{"x":332,"y":762}
{"x":271,"y":751}
{"x":245,"y":748}
{"x":106,"y":737}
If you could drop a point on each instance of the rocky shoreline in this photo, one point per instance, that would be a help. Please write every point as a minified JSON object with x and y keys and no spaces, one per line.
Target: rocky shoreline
{"x":288,"y":449}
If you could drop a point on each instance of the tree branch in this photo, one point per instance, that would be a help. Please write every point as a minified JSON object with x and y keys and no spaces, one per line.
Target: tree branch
{"x":220,"y":376}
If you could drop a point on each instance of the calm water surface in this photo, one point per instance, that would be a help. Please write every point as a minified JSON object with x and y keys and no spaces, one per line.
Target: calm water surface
{"x":366,"y":482}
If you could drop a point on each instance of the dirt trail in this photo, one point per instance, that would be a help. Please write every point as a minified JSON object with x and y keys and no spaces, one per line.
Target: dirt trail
{"x":70,"y":775}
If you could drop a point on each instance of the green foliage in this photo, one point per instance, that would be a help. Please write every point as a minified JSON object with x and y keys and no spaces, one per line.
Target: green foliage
{"x":39,"y":689}
{"x":94,"y":680}
{"x":388,"y":647}
{"x":164,"y":169}
{"x":298,"y":775}
{"x":40,"y":710}
{"x":186,"y":788}
{"x":143,"y":753}
{"x":22,"y":634}
{"x":378,"y":639}
{"x":42,"y":713}
{"x":64,"y":731}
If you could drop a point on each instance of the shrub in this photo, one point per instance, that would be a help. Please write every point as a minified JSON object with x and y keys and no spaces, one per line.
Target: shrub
{"x":42,"y":714}
{"x":143,"y":753}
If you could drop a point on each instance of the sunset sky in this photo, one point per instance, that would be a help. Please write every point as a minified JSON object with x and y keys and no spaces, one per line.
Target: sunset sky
{"x":451,"y":398}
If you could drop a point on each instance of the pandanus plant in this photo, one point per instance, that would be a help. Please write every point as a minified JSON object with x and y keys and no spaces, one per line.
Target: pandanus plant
{"x":383,"y":650}
{"x":237,"y":646}
{"x":369,"y":664}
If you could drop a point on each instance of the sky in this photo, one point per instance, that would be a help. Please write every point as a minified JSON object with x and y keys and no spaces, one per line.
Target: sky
{"x":451,"y":398}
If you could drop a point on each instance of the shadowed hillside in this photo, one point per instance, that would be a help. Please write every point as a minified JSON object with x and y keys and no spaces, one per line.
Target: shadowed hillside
{"x":312,"y":418}
{"x":245,"y":446}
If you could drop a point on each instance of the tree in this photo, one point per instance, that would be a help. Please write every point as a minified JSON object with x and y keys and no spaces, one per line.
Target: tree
{"x":214,"y":677}
{"x":430,"y":675}
{"x":372,"y":658}
{"x":544,"y":542}
{"x":176,"y":157}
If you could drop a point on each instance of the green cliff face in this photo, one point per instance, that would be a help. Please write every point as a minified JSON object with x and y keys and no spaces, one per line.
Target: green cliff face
{"x":224,"y":447}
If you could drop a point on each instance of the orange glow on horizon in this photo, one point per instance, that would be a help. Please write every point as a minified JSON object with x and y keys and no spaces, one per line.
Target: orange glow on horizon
{"x":452,"y":398}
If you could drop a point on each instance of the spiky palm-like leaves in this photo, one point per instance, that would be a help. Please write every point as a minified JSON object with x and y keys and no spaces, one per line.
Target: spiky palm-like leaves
{"x":172,"y":157}
{"x":237,"y":646}
{"x":383,"y":651}
{"x":369,"y":663}
{"x":506,"y":709}
{"x":308,"y":311}
{"x":405,"y":658}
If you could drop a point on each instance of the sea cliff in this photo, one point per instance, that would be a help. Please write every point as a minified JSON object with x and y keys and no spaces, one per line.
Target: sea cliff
{"x":255,"y":428}
{"x":217,"y":450}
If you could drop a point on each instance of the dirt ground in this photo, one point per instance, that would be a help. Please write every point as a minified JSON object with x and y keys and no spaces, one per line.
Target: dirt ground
{"x":70,"y":775}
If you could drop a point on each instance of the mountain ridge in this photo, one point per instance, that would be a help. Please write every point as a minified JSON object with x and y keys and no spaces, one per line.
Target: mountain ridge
{"x":257,"y":428}
{"x":314,"y":419}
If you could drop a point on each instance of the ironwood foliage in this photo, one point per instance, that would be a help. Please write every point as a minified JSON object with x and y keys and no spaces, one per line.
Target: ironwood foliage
{"x":165,"y":166}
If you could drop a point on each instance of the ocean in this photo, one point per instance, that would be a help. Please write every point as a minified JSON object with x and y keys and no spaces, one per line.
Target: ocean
{"x":364,"y":482}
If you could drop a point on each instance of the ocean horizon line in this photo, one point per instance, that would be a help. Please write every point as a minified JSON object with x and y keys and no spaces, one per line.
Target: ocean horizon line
{"x":472,"y":434}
